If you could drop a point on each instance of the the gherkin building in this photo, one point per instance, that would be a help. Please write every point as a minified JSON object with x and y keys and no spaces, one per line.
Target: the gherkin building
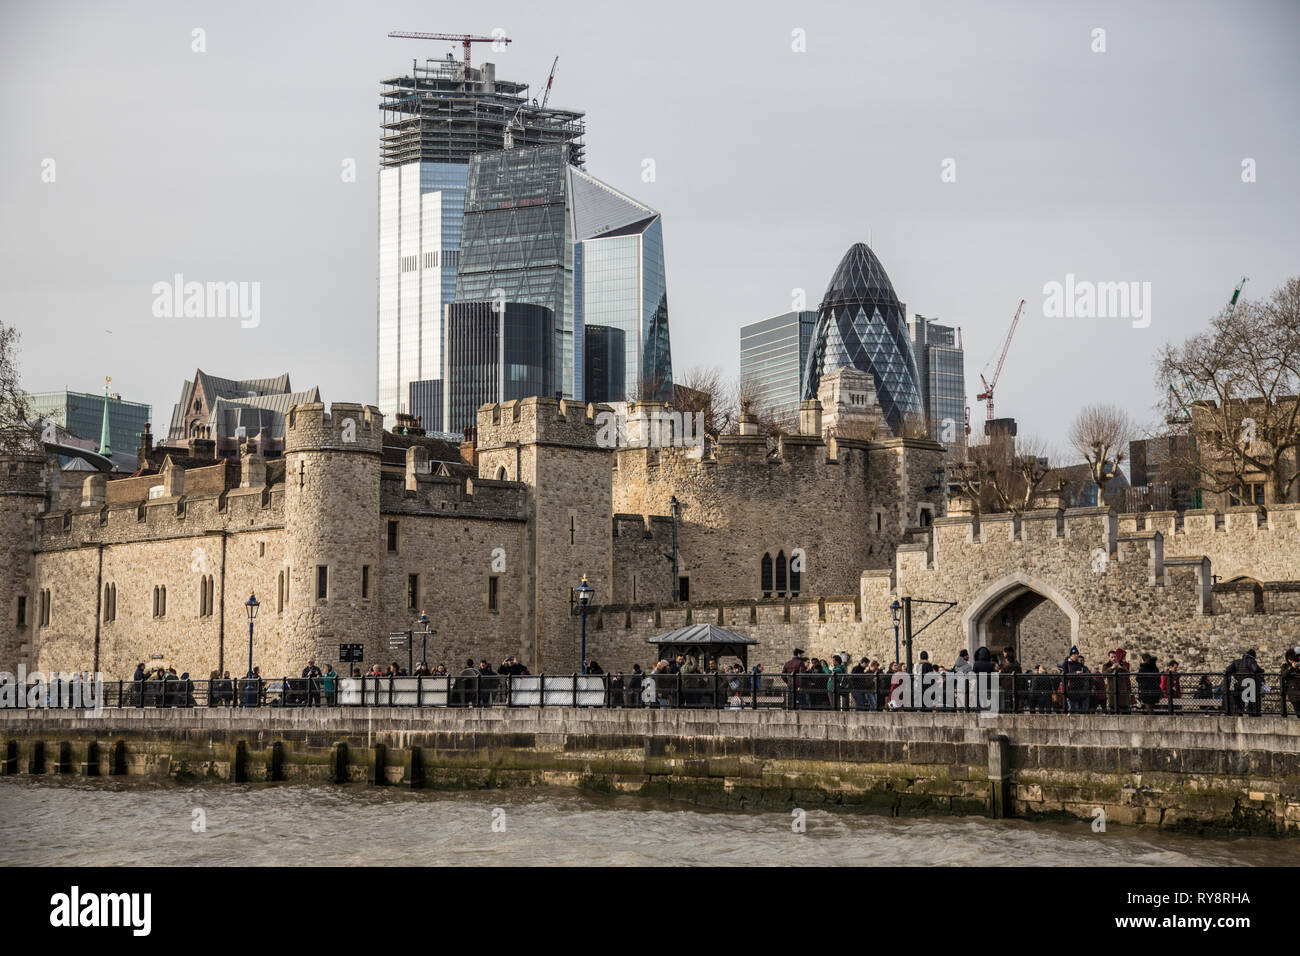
{"x":861,"y":323}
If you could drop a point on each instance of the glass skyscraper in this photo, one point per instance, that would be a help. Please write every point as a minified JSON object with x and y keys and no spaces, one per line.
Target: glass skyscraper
{"x":538,"y":230}
{"x":434,"y":120}
{"x":495,"y":353}
{"x":941,"y":363}
{"x":622,"y":284}
{"x":861,"y":323}
{"x":773,"y":354}
{"x":82,"y":413}
{"x":517,"y":244}
{"x":604,"y":364}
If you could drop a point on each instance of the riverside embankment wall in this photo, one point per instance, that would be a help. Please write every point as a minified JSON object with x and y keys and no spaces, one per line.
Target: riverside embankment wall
{"x":1194,"y":773}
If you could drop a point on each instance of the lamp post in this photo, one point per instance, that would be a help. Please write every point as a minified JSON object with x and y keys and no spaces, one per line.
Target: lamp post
{"x":423,"y":621}
{"x":896,"y":612}
{"x":251,"y":605}
{"x":584,"y":591}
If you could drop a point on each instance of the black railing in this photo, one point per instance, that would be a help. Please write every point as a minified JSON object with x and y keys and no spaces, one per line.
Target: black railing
{"x":1054,"y":693}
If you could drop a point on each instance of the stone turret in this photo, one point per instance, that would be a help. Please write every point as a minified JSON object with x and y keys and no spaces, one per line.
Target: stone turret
{"x":331,"y":508}
{"x":561,"y":450}
{"x":22,"y":498}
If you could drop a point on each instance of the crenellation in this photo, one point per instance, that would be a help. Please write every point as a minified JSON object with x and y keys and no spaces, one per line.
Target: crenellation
{"x":1044,"y":525}
{"x":345,"y":542}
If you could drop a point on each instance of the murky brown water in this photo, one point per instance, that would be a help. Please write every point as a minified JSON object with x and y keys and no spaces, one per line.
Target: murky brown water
{"x":146,"y":823}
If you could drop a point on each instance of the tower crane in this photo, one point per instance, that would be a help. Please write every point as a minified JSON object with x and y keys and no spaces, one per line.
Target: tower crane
{"x":464,"y":39}
{"x":987,"y":395}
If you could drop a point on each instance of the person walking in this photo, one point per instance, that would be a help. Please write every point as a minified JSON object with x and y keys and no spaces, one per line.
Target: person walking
{"x":1171,"y":683}
{"x":836,"y":684}
{"x":310,"y":694}
{"x":329,"y":681}
{"x":1243,"y":685}
{"x":790,"y":672}
{"x":1077,"y":689}
{"x":1290,"y":680}
{"x":1148,"y":683}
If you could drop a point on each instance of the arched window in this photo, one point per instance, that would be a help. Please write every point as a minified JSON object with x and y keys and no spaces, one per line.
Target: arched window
{"x":796,"y":579}
{"x":780,"y":574}
{"x":766,"y":576}
{"x":501,"y":474}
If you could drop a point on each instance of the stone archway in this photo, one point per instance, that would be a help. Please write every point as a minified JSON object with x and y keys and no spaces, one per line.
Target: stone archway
{"x":994,"y":618}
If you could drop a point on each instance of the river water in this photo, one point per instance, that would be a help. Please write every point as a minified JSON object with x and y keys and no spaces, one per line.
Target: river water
{"x":115,"y":823}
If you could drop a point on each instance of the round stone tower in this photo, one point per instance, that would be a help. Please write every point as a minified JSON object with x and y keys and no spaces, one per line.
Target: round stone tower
{"x":22,"y":498}
{"x":333,"y":531}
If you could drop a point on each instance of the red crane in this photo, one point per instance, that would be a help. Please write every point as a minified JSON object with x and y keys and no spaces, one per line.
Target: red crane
{"x":987,"y":394}
{"x":464,"y":39}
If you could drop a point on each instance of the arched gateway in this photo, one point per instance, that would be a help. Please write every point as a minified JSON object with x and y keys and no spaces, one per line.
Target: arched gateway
{"x":995,"y":617}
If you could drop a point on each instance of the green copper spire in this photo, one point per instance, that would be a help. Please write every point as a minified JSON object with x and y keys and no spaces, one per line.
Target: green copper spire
{"x":105,"y":447}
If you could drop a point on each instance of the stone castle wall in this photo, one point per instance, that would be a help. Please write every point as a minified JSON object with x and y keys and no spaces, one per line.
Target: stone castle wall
{"x":846,"y":506}
{"x":551,"y":504}
{"x":1240,"y":542}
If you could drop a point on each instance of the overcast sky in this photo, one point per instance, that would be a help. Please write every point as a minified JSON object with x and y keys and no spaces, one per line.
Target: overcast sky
{"x":225,"y":165}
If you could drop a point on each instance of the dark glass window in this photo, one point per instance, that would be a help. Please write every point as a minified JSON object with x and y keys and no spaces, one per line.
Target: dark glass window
{"x":392,"y":536}
{"x":492,"y":594}
{"x":780,"y":573}
{"x":322,"y":582}
{"x":766,"y":576}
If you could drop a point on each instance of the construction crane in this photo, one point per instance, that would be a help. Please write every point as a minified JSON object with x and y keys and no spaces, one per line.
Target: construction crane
{"x":549,"y":80}
{"x":509,"y":138}
{"x":464,"y":39}
{"x":987,"y":395}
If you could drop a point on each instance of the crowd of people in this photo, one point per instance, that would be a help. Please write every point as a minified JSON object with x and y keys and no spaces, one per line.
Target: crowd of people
{"x":804,"y":682}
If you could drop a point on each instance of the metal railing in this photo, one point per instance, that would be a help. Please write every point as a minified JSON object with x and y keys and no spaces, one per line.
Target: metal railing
{"x":1054,"y":693}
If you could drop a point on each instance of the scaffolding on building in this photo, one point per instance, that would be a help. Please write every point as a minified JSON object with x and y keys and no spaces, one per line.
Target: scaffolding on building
{"x":445,"y":112}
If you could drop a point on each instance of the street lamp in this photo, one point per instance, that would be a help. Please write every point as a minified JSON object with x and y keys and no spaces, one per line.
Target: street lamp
{"x":896,"y":612}
{"x":423,"y":621}
{"x":584,"y":592}
{"x":251,"y":605}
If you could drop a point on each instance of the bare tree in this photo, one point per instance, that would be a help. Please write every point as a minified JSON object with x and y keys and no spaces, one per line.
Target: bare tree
{"x":771,"y":424}
{"x":706,"y":391}
{"x":17,"y":437}
{"x":1101,"y":434}
{"x":1003,"y":474}
{"x":1233,"y":390}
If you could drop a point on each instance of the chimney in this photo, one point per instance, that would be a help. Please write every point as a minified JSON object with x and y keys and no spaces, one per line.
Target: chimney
{"x":810,"y":418}
{"x":145,"y":451}
{"x":469,"y":447}
{"x":202,"y":448}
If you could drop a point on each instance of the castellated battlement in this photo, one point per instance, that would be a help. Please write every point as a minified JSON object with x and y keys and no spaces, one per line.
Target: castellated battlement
{"x":423,"y":491}
{"x":1243,"y":542}
{"x":745,"y":458}
{"x":657,"y":528}
{"x":1085,"y":529}
{"x":545,"y":421}
{"x":239,"y":509}
{"x":347,"y":426}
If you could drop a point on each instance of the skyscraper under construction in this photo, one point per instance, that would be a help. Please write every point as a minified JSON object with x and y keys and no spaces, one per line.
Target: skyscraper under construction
{"x":434,"y":119}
